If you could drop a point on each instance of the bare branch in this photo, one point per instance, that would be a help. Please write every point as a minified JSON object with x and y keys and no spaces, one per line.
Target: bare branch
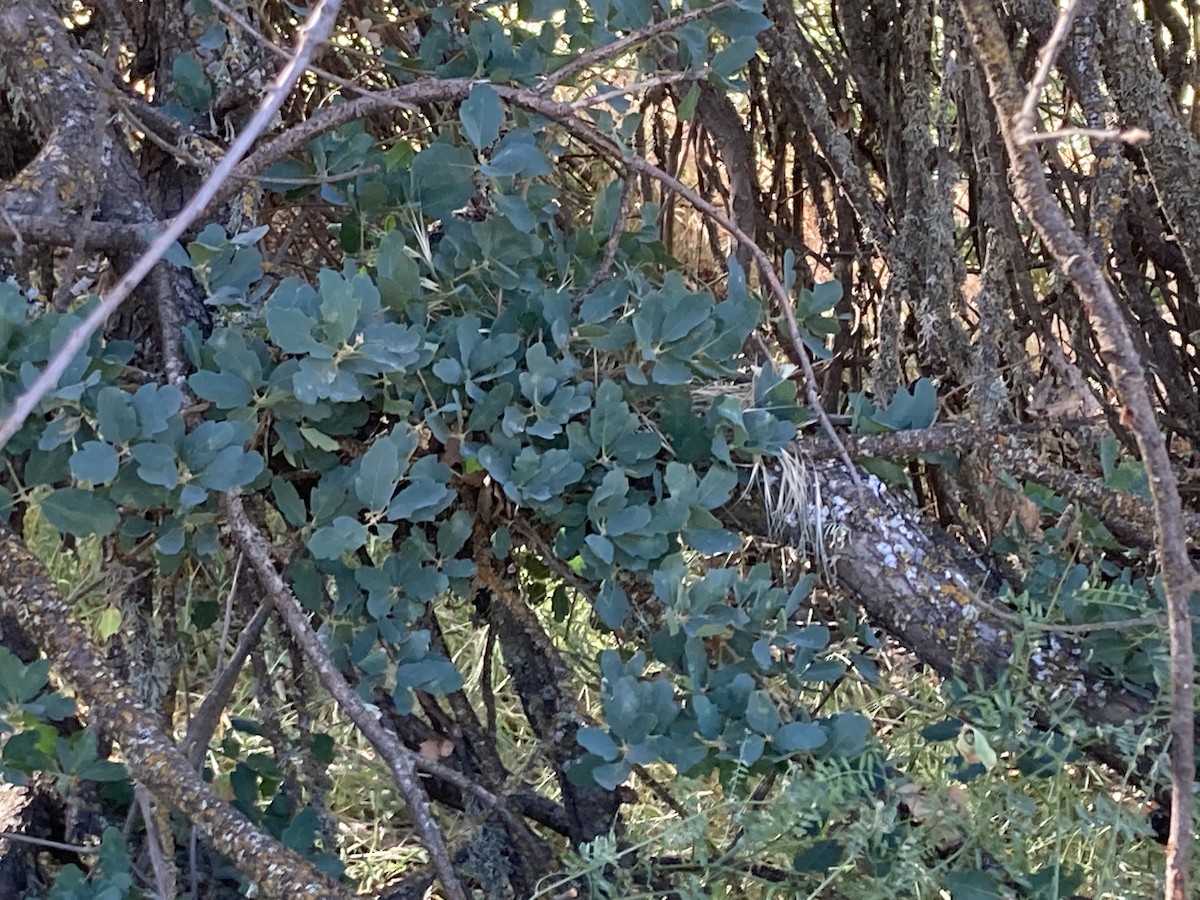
{"x":1137,"y":410}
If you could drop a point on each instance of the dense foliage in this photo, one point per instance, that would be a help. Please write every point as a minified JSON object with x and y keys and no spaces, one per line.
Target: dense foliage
{"x":500,"y":408}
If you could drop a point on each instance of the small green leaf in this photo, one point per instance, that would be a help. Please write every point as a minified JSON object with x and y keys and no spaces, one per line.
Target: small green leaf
{"x":287,"y":499}
{"x":452,"y":534}
{"x":734,"y":56}
{"x":110,"y":623}
{"x":59,"y":431}
{"x":320,"y":440}
{"x":945,"y":730}
{"x":192,"y":86}
{"x":601,"y":546}
{"x":156,"y":407}
{"x":420,"y":501}
{"x":435,"y":674}
{"x":751,"y":749}
{"x":687,"y":107}
{"x":610,"y":776}
{"x":516,"y":154}
{"x":848,"y":734}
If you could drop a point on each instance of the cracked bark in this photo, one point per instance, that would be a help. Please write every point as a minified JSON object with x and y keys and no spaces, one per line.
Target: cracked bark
{"x":542,"y":681}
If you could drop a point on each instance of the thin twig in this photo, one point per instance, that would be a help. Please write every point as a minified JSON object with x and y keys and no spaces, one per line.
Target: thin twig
{"x":1006,"y":615}
{"x":598,"y":55}
{"x":485,"y":684}
{"x":1116,"y":135}
{"x":638,"y":87}
{"x":1026,"y":119}
{"x":610,"y":247}
{"x":316,"y":30}
{"x":49,"y":845}
{"x":163,"y":869}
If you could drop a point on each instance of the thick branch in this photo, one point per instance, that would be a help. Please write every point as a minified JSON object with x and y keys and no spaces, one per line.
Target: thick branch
{"x":27,"y":593}
{"x":922,"y":587}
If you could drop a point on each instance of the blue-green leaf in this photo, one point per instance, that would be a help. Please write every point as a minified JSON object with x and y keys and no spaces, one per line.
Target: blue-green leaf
{"x":435,"y":674}
{"x":116,"y":415}
{"x":287,"y":498}
{"x":797,"y":736}
{"x":420,"y":501}
{"x":231,"y":468}
{"x":516,"y":154}
{"x":80,"y":513}
{"x":751,"y":749}
{"x":482,"y":114}
{"x":612,"y":606}
{"x":224,"y":389}
{"x":157,"y":464}
{"x":156,"y":406}
{"x":377,"y":475}
{"x":761,"y":713}
{"x":733,"y":57}
{"x":95,"y":461}
{"x":60,"y":430}
{"x":342,"y":536}
{"x":847,"y":734}
{"x":598,"y":741}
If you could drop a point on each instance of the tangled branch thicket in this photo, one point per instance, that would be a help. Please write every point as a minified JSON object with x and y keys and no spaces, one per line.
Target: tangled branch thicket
{"x":496,"y":359}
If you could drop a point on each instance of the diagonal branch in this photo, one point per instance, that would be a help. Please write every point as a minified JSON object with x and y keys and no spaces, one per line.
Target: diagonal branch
{"x":1129,"y":378}
{"x":397,"y":757}
{"x":28,"y":594}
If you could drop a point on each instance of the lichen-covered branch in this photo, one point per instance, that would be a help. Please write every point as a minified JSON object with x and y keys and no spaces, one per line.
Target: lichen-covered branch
{"x":922,"y":587}
{"x":27,"y":594}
